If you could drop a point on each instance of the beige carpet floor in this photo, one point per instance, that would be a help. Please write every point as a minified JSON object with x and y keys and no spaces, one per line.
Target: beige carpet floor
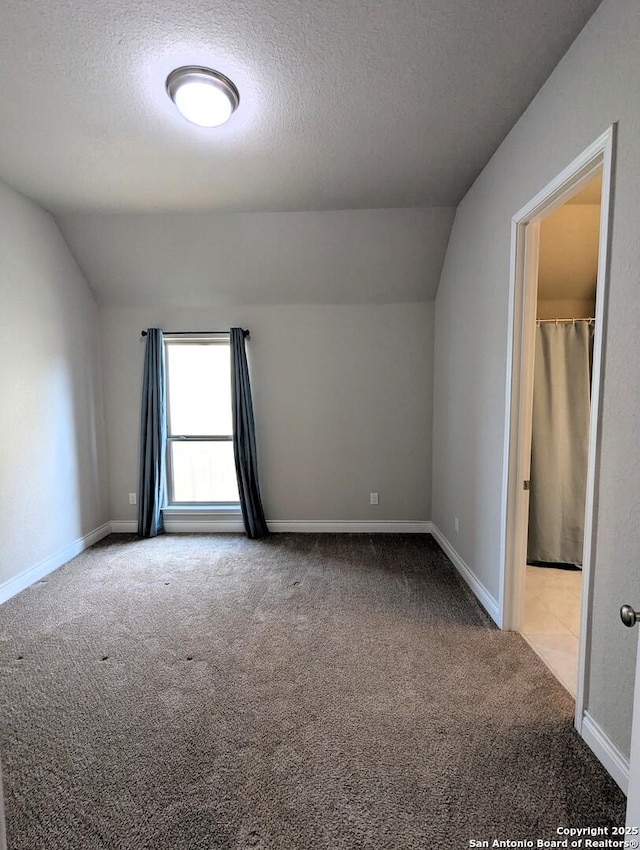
{"x":306,"y":692}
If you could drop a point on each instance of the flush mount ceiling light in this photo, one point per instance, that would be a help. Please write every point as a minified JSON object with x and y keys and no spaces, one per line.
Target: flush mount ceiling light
{"x":205,"y":97}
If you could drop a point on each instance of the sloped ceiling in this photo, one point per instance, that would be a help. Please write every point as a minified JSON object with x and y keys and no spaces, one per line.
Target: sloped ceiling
{"x":208,"y":259}
{"x":568,"y":260}
{"x":358,"y":104}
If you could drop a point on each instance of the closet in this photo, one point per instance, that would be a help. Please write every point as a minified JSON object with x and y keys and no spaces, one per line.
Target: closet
{"x":567,"y":273}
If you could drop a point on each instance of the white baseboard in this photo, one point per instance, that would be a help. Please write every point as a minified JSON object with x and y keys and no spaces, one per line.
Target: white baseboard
{"x":276,"y":525}
{"x":605,"y":751}
{"x":53,"y":562}
{"x":351,"y":526}
{"x":176,"y":526}
{"x":484,"y":597}
{"x":124,"y":526}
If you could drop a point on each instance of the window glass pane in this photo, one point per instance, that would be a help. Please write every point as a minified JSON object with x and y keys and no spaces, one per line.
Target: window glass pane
{"x":199,"y":384}
{"x":204,"y":472}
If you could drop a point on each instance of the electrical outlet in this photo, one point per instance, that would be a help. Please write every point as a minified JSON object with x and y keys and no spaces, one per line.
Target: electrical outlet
{"x":373,"y":498}
{"x":456,"y":525}
{"x":133,"y":499}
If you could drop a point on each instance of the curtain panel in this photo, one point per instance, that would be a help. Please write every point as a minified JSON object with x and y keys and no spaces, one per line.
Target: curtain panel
{"x":153,"y":438}
{"x":560,"y":442}
{"x":244,"y":439}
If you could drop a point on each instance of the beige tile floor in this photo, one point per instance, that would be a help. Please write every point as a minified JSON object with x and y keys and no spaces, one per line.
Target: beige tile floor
{"x":552,"y":620}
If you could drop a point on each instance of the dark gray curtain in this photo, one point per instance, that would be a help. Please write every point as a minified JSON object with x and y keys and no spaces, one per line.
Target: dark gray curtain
{"x":153,"y":438}
{"x":244,"y":439}
{"x":559,"y":442}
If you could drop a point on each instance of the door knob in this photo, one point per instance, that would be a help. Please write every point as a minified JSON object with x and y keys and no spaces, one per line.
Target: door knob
{"x":628,"y":616}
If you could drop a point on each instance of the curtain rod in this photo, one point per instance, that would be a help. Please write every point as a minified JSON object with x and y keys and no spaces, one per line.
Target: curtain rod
{"x":194,"y":333}
{"x":558,"y":321}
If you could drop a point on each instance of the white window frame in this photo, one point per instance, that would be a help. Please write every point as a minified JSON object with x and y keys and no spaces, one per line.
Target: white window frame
{"x":170,"y":503}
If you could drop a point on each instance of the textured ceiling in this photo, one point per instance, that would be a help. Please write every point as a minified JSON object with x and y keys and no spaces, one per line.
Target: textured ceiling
{"x":365,"y":103}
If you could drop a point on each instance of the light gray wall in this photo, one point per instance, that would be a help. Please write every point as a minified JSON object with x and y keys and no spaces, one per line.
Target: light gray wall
{"x":51,"y":448}
{"x":342,"y":398}
{"x":595,"y":85}
{"x":210,"y":259}
{"x":342,"y":374}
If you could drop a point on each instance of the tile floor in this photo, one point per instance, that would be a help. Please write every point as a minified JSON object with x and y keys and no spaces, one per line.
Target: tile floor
{"x":552,"y":620}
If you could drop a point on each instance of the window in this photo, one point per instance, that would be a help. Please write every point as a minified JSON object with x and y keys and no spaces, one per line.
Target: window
{"x":200,"y":464}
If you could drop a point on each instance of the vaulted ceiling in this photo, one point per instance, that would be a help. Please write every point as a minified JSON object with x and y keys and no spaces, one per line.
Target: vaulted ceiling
{"x":344,"y":103}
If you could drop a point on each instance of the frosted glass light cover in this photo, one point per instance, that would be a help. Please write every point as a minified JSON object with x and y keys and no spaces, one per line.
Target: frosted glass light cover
{"x":204,"y":97}
{"x":203,"y":104}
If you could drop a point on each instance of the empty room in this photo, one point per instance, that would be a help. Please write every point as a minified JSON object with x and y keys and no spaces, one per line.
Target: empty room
{"x":277,"y":324}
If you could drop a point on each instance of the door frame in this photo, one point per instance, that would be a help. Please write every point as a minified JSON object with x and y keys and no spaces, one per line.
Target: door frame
{"x":523,"y":284}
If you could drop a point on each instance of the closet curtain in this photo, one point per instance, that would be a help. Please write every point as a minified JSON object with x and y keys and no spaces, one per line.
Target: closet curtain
{"x":153,"y":438}
{"x":560,"y":438}
{"x":244,"y":439}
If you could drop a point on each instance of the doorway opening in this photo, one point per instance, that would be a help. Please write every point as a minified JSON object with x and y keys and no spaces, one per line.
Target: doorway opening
{"x":567,"y":271}
{"x":552,"y":602}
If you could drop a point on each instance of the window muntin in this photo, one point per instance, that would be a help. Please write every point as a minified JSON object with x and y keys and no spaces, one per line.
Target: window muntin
{"x":200,"y":464}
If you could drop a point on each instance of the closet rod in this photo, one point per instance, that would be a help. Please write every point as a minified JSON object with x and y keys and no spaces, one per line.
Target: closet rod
{"x":558,"y":321}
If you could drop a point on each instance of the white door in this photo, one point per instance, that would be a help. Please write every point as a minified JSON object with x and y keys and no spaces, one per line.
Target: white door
{"x":633,"y":796}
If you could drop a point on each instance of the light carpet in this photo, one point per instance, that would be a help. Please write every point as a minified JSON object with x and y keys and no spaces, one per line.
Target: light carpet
{"x":304,"y":692}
